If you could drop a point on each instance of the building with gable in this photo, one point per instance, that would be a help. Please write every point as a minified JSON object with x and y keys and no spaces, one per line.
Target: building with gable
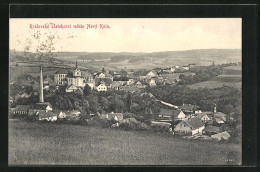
{"x":21,"y":110}
{"x":75,"y":78}
{"x":169,"y":115}
{"x":190,"y":126}
{"x":60,"y":77}
{"x":204,"y":117}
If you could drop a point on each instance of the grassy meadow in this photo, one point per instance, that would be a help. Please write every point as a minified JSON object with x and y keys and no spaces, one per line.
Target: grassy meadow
{"x":231,"y":77}
{"x":211,"y":84}
{"x":34,"y":143}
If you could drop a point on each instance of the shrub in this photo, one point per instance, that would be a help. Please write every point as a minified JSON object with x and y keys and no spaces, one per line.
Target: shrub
{"x":160,"y":128}
{"x":127,"y":126}
{"x":143,"y":126}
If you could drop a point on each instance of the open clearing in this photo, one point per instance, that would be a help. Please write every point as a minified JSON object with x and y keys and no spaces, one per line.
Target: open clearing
{"x":215,"y":84}
{"x":231,"y":77}
{"x":32,"y":143}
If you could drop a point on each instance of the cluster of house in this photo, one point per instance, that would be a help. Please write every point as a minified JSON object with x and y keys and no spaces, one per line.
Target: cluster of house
{"x":175,"y":68}
{"x":190,"y":120}
{"x":184,"y":120}
{"x":45,"y":112}
{"x":76,"y":80}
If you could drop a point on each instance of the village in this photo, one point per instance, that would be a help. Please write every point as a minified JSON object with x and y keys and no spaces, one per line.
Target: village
{"x":186,"y":120}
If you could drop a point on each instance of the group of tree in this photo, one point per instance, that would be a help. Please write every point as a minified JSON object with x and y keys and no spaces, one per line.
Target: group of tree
{"x":202,"y":73}
{"x":227,"y":99}
{"x":144,"y":107}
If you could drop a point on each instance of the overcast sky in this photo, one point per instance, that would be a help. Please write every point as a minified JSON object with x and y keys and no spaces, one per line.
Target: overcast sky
{"x":132,"y":35}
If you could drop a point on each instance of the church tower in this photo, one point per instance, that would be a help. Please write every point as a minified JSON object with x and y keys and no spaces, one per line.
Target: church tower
{"x":76,"y":71}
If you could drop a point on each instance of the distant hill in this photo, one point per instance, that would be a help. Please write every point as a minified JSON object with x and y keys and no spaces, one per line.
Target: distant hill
{"x":150,"y":60}
{"x":191,"y":56}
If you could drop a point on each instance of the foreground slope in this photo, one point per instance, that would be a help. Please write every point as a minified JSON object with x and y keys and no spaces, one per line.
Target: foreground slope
{"x":49,"y":144}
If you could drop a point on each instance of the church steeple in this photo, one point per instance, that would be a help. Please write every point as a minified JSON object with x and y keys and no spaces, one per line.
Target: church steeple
{"x":76,"y":71}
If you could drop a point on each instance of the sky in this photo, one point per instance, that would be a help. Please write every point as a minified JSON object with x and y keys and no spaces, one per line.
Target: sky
{"x":129,"y":34}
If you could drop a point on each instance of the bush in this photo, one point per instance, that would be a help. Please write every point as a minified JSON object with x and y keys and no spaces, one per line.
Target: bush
{"x":143,"y":126}
{"x":105,"y":123}
{"x":160,"y":128}
{"x":127,"y":126}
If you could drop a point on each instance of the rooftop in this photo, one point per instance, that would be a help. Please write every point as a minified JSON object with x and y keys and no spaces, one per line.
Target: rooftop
{"x":63,"y":71}
{"x":22,"y":107}
{"x":194,"y":122}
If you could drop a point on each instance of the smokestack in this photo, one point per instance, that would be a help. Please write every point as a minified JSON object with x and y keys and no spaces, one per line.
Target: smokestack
{"x":41,"y":87}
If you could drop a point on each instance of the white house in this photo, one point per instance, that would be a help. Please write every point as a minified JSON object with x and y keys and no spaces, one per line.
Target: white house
{"x":190,"y":126}
{"x":130,"y":81}
{"x":150,"y":74}
{"x":172,"y":69}
{"x":203,"y":117}
{"x":101,"y":87}
{"x":60,"y":114}
{"x":72,"y":88}
{"x":178,"y":114}
{"x":185,"y":67}
{"x":152,"y":82}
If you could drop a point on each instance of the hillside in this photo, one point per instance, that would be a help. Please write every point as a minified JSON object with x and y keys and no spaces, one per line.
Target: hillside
{"x":232,"y":76}
{"x":61,"y":144}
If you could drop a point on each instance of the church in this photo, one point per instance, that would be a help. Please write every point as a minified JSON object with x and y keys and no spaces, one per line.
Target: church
{"x":72,"y":79}
{"x":75,"y":78}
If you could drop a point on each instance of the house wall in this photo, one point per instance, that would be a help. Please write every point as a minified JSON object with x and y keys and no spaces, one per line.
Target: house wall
{"x":198,"y":130}
{"x":197,"y":111}
{"x":62,"y":115}
{"x":58,"y":78}
{"x":48,"y":108}
{"x":20,"y":112}
{"x":76,"y":73}
{"x":152,"y":83}
{"x":182,"y":128}
{"x":205,"y":118}
{"x":78,"y":82}
{"x":181,"y":115}
{"x":91,"y":84}
{"x":54,"y":118}
{"x":101,"y":87}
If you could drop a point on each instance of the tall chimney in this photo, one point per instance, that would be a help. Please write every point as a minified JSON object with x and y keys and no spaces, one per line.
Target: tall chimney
{"x":41,"y":87}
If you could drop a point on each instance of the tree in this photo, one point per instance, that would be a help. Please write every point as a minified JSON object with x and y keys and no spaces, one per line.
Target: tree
{"x":94,"y":105}
{"x":228,"y":109}
{"x":87,"y":90}
{"x":70,"y":105}
{"x":104,"y":103}
{"x":85,"y":105}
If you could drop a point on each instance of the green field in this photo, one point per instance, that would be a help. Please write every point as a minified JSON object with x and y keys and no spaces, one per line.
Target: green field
{"x":231,"y":77}
{"x":215,"y":84}
{"x":60,"y":144}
